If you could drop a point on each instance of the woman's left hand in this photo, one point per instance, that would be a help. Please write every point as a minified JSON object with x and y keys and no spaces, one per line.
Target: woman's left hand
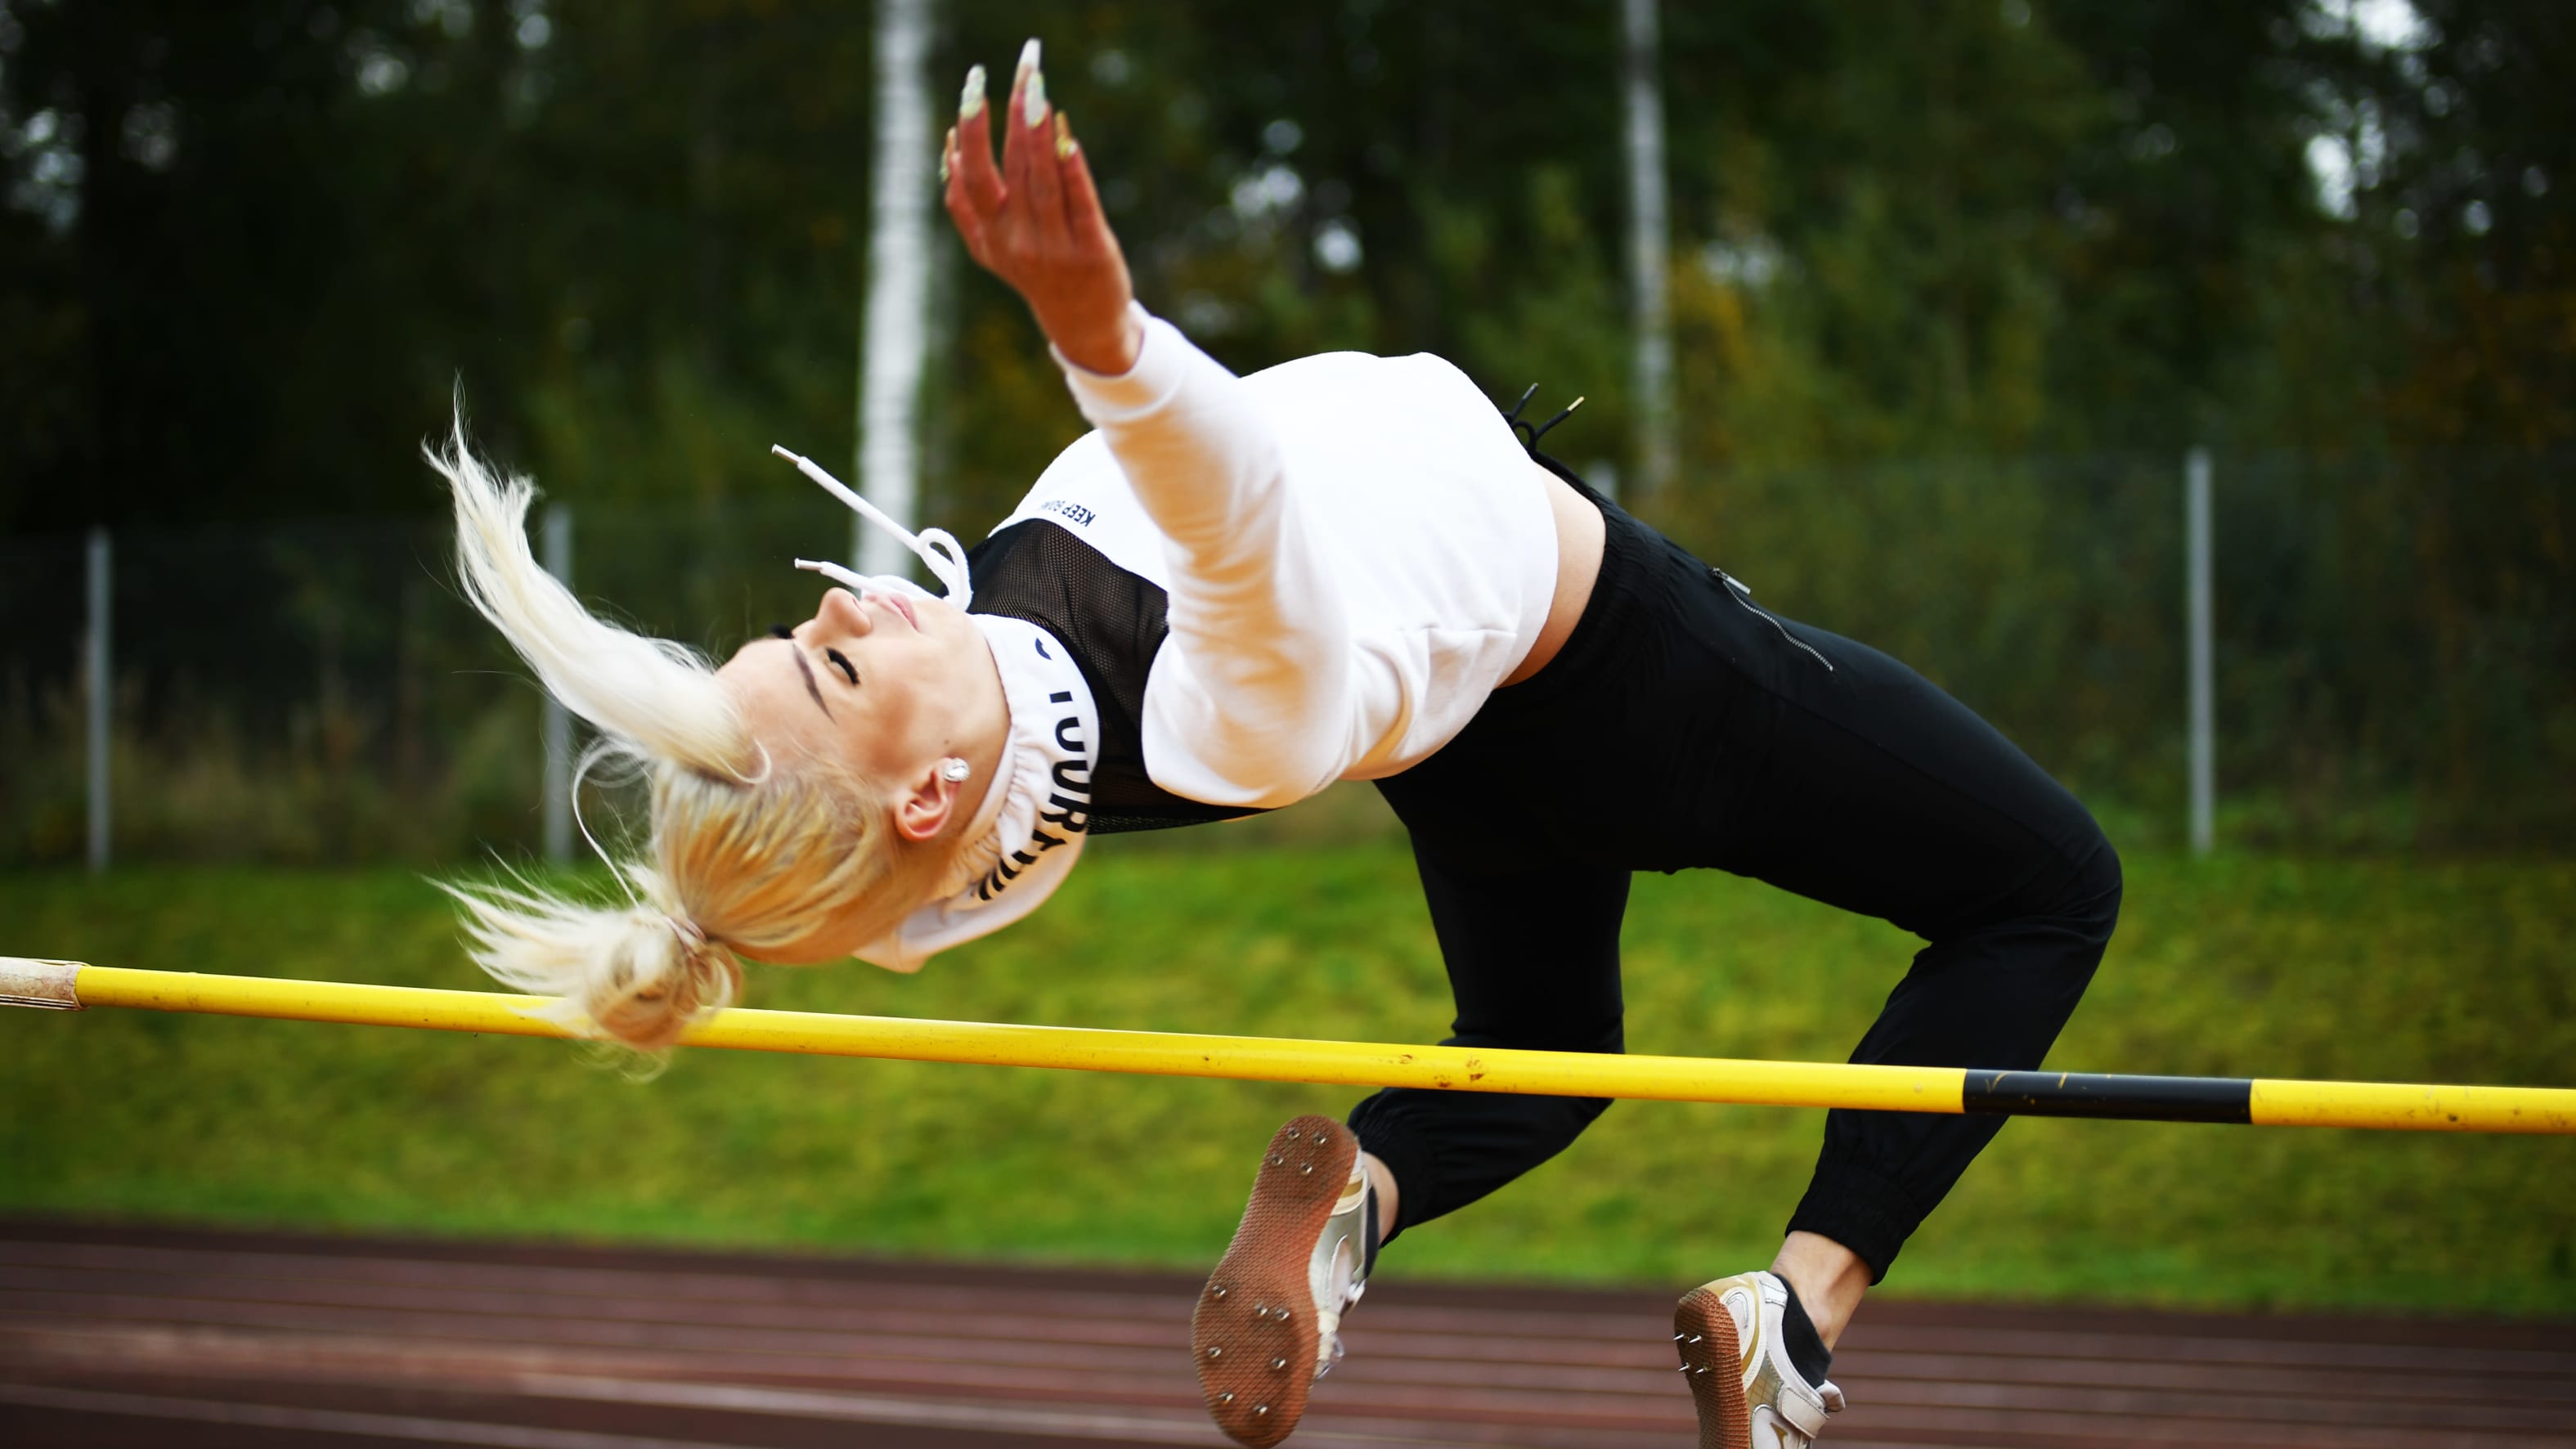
{"x":1037,"y":224}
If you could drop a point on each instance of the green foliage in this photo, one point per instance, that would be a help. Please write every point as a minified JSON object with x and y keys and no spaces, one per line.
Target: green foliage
{"x":637,"y":234}
{"x":2232,"y":966}
{"x":1953,"y":285}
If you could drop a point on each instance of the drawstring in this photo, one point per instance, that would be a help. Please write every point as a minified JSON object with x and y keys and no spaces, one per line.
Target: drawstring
{"x":1742,"y":592}
{"x":1529,"y":434}
{"x":937,"y":548}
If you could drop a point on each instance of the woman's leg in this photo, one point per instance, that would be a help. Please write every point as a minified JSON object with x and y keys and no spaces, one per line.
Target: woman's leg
{"x":1533,"y":961}
{"x":1684,"y":727}
{"x":1865,"y":787}
{"x":1882,"y":795}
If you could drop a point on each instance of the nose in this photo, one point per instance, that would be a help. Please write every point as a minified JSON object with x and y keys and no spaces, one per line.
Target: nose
{"x":842,"y":613}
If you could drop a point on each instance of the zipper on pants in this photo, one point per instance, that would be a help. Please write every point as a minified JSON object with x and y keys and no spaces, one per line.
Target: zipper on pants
{"x":1742,"y":593}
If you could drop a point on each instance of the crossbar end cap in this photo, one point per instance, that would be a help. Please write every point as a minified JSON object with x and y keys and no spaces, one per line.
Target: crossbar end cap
{"x":46,"y":985}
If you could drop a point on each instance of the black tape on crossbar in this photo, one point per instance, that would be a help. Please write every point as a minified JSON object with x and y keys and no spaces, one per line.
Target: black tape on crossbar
{"x":2098,"y":1094}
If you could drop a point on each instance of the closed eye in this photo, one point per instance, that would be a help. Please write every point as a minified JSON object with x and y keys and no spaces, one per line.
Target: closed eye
{"x":844,"y":665}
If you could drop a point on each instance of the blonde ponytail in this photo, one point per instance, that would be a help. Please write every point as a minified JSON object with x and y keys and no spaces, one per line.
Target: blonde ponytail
{"x":640,"y":975}
{"x":748,"y":852}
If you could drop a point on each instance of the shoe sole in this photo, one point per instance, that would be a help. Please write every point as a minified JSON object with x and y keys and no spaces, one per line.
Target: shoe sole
{"x":1705,"y":1333}
{"x":1252,"y":1335}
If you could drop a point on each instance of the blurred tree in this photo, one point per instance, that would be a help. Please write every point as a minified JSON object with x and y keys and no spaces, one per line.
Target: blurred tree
{"x":250,"y":247}
{"x":247,"y":250}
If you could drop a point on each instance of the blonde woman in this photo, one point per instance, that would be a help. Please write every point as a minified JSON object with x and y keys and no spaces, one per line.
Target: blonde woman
{"x":1234,"y":592}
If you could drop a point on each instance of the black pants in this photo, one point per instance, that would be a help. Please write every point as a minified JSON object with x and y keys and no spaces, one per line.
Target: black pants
{"x":1680,"y":727}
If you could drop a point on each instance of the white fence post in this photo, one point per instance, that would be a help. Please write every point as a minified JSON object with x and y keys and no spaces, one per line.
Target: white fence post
{"x":100,"y":664}
{"x":2204,"y":731}
{"x":558,"y":546}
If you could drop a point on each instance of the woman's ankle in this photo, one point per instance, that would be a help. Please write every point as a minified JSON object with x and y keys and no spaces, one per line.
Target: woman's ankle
{"x":1830,"y":1280}
{"x":1382,"y":1182}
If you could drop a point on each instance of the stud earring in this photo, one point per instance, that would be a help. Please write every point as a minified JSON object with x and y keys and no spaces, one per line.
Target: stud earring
{"x":954,"y":771}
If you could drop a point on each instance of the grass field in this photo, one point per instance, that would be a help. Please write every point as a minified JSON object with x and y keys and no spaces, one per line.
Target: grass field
{"x":2457,"y":971}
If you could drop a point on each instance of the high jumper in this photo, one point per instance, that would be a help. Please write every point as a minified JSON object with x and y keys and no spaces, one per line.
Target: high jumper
{"x":1232,"y":593}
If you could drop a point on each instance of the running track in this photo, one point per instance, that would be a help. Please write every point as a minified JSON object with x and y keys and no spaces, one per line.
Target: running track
{"x":115,"y":1337}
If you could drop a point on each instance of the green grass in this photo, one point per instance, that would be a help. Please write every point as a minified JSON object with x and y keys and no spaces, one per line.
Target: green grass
{"x":2451,"y":971}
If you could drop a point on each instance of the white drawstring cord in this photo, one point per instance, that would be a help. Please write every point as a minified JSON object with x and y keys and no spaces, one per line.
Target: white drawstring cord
{"x":937,"y":548}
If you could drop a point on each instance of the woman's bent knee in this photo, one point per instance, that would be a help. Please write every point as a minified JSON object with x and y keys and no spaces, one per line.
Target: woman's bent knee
{"x":2094,"y":893}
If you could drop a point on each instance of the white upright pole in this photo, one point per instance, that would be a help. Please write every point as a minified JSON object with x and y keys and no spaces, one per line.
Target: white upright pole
{"x":1648,"y":224}
{"x":2204,"y":728}
{"x":100,"y":666}
{"x":895,"y":335}
{"x":557,"y":541}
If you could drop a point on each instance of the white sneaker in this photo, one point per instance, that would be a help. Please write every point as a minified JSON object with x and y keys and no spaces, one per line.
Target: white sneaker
{"x":1337,"y":1271}
{"x":1736,"y":1359}
{"x":1269,"y":1323}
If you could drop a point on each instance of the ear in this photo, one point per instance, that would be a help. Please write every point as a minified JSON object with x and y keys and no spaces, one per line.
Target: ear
{"x":923,"y":806}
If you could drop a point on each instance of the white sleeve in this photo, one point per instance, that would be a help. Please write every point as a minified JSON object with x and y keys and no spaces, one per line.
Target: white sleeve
{"x":1250,"y":701}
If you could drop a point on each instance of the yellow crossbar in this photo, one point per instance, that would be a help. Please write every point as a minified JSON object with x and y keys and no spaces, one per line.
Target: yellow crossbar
{"x":2398,"y":1106}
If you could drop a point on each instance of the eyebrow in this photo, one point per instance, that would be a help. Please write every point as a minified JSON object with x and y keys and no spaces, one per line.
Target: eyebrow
{"x":807,"y":671}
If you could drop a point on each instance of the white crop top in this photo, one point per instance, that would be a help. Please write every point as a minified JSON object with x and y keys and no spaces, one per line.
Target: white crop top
{"x":1355,"y":551}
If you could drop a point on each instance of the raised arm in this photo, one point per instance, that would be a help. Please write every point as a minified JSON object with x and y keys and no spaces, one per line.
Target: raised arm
{"x":1037,"y":224}
{"x":1252,"y":704}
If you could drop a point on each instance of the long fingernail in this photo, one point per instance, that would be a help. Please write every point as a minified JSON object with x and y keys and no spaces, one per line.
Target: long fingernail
{"x":1028,"y":60}
{"x":970,"y":103}
{"x":1063,"y":136}
{"x":947,"y":148}
{"x":1033,"y":101}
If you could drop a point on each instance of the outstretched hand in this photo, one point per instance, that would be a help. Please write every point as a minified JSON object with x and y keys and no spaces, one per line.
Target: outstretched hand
{"x":1036,"y":223}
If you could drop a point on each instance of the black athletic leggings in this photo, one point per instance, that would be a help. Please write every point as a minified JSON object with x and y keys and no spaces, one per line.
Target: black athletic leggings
{"x":1682,"y":726}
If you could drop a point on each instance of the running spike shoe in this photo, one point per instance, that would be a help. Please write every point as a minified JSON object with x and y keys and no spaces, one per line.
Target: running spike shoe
{"x":1269,"y":1323}
{"x":1748,"y":1394}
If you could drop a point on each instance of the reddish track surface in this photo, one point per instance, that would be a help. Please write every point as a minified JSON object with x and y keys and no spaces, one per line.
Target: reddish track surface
{"x":134,"y":1336}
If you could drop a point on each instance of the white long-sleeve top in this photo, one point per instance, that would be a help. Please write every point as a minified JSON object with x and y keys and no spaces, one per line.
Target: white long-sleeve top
{"x":1356,"y":551}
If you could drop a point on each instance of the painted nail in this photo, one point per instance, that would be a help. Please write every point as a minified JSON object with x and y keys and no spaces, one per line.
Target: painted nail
{"x":1028,"y":60}
{"x":970,"y":102}
{"x":1063,"y":137}
{"x":946,"y":149}
{"x":1033,"y":101}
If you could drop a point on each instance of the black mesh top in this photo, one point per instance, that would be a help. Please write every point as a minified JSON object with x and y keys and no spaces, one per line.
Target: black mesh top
{"x":1113,"y":622}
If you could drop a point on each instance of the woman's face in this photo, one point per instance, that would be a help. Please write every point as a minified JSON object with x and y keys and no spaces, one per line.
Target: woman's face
{"x":882,"y":683}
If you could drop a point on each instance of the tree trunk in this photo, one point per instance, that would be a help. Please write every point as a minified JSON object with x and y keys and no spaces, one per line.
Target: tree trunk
{"x":894,"y":337}
{"x":1648,"y":223}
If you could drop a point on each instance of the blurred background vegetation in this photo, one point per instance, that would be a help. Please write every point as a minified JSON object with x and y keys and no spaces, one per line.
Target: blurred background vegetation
{"x":1955,"y":285}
